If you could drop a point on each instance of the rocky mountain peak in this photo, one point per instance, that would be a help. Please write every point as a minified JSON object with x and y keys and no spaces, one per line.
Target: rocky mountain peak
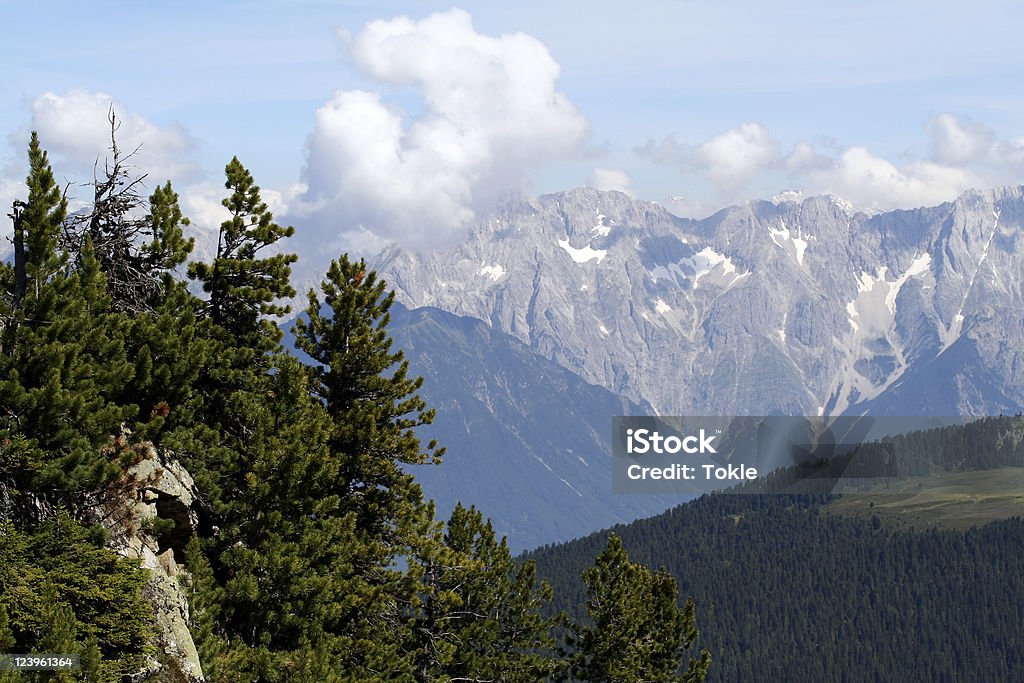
{"x":800,"y":305}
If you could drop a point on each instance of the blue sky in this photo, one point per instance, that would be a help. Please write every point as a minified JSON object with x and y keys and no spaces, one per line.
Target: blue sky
{"x":408,"y":128}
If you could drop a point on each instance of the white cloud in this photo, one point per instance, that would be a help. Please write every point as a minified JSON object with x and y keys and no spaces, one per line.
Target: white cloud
{"x":962,"y":154}
{"x":805,"y":157}
{"x":609,"y":179}
{"x":280,"y":201}
{"x":871,"y":182}
{"x":961,"y":140}
{"x":75,"y":130}
{"x":733,"y":157}
{"x":202,"y":203}
{"x":491,"y":115}
{"x":729,"y":159}
{"x":956,"y":141}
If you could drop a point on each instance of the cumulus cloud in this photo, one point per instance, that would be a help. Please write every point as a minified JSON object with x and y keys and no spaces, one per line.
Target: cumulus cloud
{"x":609,"y":179}
{"x":203,"y":204}
{"x":75,"y":130}
{"x":805,"y":157}
{"x":491,"y":114}
{"x":871,"y":182}
{"x":729,"y":159}
{"x":961,"y":140}
{"x":962,"y":154}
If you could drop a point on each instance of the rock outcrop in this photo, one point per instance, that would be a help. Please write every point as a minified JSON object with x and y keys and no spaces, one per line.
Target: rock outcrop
{"x":151,"y":519}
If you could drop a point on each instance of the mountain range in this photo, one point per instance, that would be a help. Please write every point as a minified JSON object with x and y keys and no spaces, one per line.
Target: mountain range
{"x":558,"y":312}
{"x":793,"y":306}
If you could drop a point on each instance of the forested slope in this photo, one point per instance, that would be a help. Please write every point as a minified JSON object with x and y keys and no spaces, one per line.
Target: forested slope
{"x":785,"y":590}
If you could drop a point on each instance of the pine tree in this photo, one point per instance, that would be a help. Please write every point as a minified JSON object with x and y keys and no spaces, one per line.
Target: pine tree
{"x":374,"y":409}
{"x":167,"y":248}
{"x":37,"y":226}
{"x":638,"y":633}
{"x":278,"y":583}
{"x":374,"y":413}
{"x":58,"y":627}
{"x":59,"y":631}
{"x":134,"y":248}
{"x":63,"y":356}
{"x":480,"y":612}
{"x":236,"y":339}
{"x":63,"y":592}
{"x":243,"y":286}
{"x":169,"y":350}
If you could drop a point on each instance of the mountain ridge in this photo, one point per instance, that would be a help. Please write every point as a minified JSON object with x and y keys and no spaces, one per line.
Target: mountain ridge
{"x":800,"y":307}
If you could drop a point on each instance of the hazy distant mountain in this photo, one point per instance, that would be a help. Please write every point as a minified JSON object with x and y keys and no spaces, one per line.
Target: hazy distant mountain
{"x":794,"y":306}
{"x":528,"y":441}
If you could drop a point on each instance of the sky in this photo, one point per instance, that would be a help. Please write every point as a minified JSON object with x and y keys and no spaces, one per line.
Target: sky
{"x":368,"y":123}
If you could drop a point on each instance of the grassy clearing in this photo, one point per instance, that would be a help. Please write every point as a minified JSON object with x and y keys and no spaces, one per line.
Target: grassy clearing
{"x":956,"y":500}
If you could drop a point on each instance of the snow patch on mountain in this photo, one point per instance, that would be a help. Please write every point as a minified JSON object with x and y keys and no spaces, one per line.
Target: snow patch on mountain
{"x":845,"y":205}
{"x":792,"y":243}
{"x":583,"y":255}
{"x":494,"y":272}
{"x":788,"y":197}
{"x":875,"y":357}
{"x":717,"y":268}
{"x":707,"y":261}
{"x":601,"y":229}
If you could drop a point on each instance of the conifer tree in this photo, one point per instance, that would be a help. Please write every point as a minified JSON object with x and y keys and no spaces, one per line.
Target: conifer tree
{"x":480,"y":612}
{"x":63,"y":355}
{"x":278,"y":583}
{"x":168,"y":349}
{"x":243,"y":285}
{"x":373,"y":408}
{"x":167,"y":248}
{"x":37,"y":226}
{"x":237,"y":338}
{"x":371,"y":399}
{"x":638,"y":633}
{"x":134,"y":248}
{"x":58,"y":630}
{"x":63,"y":592}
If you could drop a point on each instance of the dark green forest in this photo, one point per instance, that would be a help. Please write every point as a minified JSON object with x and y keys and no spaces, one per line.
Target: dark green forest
{"x":788,"y":590}
{"x":316,"y":556}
